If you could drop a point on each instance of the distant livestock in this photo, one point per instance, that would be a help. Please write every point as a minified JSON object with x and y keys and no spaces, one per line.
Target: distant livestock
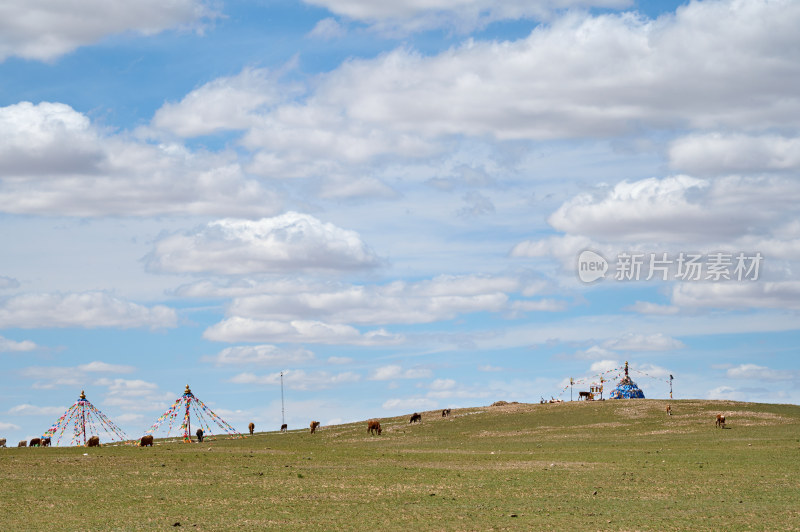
{"x":23,"y":443}
{"x":313,"y":426}
{"x":374,"y":426}
{"x":720,"y":421}
{"x":46,"y":442}
{"x":199,"y":435}
{"x":35,"y":442}
{"x":146,"y":441}
{"x":252,"y":427}
{"x":445,"y":412}
{"x":94,"y":441}
{"x":284,"y":427}
{"x":586,"y":396}
{"x":669,"y":410}
{"x":2,"y":442}
{"x":415,"y":417}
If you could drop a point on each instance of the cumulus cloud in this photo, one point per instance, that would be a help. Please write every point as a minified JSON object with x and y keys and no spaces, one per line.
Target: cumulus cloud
{"x":53,"y":161}
{"x":45,"y":30}
{"x":87,"y":310}
{"x":267,"y":355}
{"x":227,"y":103}
{"x":98,"y":366}
{"x":12,"y":346}
{"x":327,"y":28}
{"x":390,"y":372}
{"x":529,"y":88}
{"x":288,"y":243}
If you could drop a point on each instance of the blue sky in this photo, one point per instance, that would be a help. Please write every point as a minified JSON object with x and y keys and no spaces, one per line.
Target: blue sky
{"x":390,"y":204}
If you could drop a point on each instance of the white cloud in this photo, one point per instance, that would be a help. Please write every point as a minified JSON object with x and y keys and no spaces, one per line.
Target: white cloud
{"x":390,"y":372}
{"x":238,"y":329}
{"x":747,"y":295}
{"x":299,"y":379}
{"x":8,"y":426}
{"x":103,"y":367}
{"x":718,"y":153}
{"x":261,"y":355}
{"x":9,"y":346}
{"x":55,"y":162}
{"x":425,"y":301}
{"x":755,"y":372}
{"x":88,"y":310}
{"x":646,"y":307}
{"x":227,"y":103}
{"x":648,"y":77}
{"x":46,"y":29}
{"x":409,"y":403}
{"x":642,"y":342}
{"x":416,"y":15}
{"x":285,"y":243}
{"x":326,"y":29}
{"x":340,"y":360}
{"x":32,"y":410}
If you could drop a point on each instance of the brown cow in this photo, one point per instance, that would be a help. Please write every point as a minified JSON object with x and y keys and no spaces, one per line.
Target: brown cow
{"x":284,"y":427}
{"x":23,"y":443}
{"x":35,"y":442}
{"x":373,"y":426}
{"x":199,"y":435}
{"x":313,"y":426}
{"x":94,"y":441}
{"x":669,"y":410}
{"x":252,"y":427}
{"x":445,"y":412}
{"x":146,"y":441}
{"x":2,"y":442}
{"x":720,"y":421}
{"x":415,"y":417}
{"x":46,"y":441}
{"x":587,"y":396}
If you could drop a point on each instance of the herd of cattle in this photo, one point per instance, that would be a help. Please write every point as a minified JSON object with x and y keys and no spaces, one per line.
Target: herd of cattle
{"x":373,"y":427}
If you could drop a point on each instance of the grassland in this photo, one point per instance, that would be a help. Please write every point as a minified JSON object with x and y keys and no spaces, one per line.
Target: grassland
{"x":612,"y":465}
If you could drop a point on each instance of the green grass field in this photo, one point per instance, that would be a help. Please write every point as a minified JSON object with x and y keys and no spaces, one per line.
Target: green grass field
{"x":611,"y":465}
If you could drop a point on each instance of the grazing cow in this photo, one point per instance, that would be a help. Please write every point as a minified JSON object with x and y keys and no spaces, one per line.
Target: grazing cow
{"x":669,"y":410}
{"x":23,"y":443}
{"x":445,"y":412}
{"x":720,"y":421}
{"x":199,"y":435}
{"x":94,"y":441}
{"x":252,"y":427}
{"x":146,"y":441}
{"x":35,"y":442}
{"x":313,"y":426}
{"x":2,"y":442}
{"x":46,"y":442}
{"x":586,"y":396}
{"x":374,"y":426}
{"x":415,"y":417}
{"x":284,"y":427}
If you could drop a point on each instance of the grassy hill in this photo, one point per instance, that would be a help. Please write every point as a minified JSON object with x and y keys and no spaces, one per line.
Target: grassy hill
{"x":611,"y":465}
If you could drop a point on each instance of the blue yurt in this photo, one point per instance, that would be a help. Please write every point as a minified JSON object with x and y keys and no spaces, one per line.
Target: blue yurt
{"x":627,"y":389}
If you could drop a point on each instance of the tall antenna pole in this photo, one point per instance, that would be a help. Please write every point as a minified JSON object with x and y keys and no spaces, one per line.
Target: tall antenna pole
{"x":283,"y":417}
{"x":670,"y":386}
